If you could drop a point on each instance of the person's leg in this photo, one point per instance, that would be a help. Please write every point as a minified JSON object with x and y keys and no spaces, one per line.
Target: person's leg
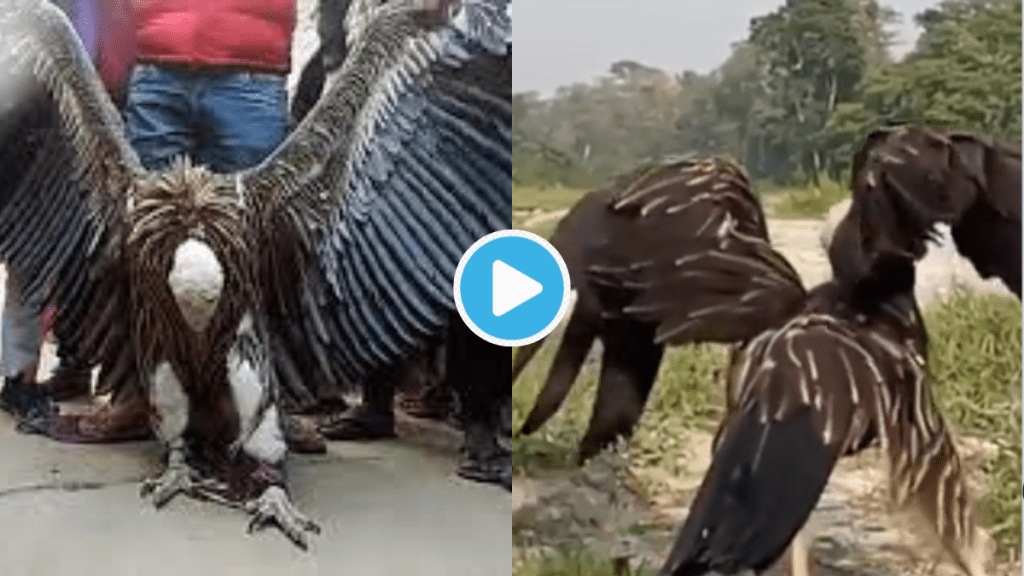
{"x":21,"y":341}
{"x":374,"y":419}
{"x":159,"y":115}
{"x":479,"y":372}
{"x":247,"y":117}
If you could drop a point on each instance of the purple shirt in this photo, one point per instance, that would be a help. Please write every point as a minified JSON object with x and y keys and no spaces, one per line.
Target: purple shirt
{"x":85,"y":17}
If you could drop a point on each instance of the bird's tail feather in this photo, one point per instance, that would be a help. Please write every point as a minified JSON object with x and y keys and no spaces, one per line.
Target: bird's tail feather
{"x":765,"y":480}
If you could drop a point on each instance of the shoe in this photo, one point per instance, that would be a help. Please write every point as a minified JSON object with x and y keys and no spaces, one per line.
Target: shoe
{"x":302,"y":436}
{"x":487,"y":457}
{"x":359,"y":423}
{"x":126,"y":419}
{"x":69,"y":381}
{"x":29,"y":404}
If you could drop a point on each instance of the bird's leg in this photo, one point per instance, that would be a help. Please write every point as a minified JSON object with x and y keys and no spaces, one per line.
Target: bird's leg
{"x":261,"y":441}
{"x":800,"y":555}
{"x":170,"y":419}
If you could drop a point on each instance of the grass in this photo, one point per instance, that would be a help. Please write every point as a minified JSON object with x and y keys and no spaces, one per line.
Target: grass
{"x":533,"y":198}
{"x":975,"y":361}
{"x":806,"y":202}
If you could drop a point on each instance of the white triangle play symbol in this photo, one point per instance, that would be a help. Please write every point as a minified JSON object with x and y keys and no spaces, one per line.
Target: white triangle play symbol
{"x":511,"y":288}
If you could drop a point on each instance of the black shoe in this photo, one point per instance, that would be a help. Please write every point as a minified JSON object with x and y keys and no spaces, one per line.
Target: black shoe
{"x":488,"y":452}
{"x":29,"y":403}
{"x":359,"y":423}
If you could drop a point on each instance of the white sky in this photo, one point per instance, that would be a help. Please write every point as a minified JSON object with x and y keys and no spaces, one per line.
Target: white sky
{"x":563,"y":41}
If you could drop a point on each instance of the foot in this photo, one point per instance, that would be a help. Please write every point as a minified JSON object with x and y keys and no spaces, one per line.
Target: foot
{"x":124,"y":420}
{"x":430,"y":404}
{"x":302,"y":436}
{"x":69,"y":381}
{"x":29,"y":404}
{"x":488,"y":452}
{"x":359,"y":423}
{"x":274,"y":506}
{"x":176,"y":479}
{"x":488,"y":470}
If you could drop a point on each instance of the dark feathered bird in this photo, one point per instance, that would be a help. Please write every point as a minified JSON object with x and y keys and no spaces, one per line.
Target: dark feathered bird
{"x":663,"y":220}
{"x":907,"y":179}
{"x":184,"y":274}
{"x":845,"y":370}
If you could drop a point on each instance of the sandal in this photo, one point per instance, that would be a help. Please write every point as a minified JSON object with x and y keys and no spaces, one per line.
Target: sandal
{"x":107,"y":424}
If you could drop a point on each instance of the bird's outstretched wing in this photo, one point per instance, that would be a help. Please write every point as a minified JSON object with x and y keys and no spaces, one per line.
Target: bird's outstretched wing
{"x":694,"y":256}
{"x":66,"y":169}
{"x":402,"y":165}
{"x":800,"y":397}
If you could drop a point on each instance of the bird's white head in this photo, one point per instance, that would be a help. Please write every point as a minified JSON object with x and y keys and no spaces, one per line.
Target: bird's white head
{"x":196,"y":281}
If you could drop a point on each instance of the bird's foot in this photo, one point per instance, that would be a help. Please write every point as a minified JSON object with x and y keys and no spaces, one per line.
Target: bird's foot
{"x":274,"y":506}
{"x":178,"y":479}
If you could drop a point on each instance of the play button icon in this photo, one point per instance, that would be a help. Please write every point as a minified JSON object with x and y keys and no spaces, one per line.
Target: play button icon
{"x":512,"y":288}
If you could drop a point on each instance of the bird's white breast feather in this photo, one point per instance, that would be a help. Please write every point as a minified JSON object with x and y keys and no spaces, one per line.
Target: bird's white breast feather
{"x":196,"y":281}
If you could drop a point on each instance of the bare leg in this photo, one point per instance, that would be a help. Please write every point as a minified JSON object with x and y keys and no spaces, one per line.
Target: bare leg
{"x":261,"y":438}
{"x":800,"y":555}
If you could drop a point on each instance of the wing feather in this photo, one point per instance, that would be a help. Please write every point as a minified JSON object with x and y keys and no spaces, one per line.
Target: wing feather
{"x":67,"y":168}
{"x":691,"y":255}
{"x":403,"y":163}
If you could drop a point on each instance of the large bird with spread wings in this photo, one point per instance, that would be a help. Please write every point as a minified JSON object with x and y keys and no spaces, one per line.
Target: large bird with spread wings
{"x":844,"y":370}
{"x":177,"y":275}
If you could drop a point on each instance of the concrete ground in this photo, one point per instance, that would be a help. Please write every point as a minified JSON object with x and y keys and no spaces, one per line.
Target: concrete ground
{"x":386,"y":509}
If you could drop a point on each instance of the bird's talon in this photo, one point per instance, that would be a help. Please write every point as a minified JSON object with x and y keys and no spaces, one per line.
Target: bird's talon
{"x":162,"y":489}
{"x":274,"y":506}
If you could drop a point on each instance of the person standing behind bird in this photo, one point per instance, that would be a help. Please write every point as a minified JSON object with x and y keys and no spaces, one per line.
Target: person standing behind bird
{"x":209,"y":84}
{"x":22,"y":323}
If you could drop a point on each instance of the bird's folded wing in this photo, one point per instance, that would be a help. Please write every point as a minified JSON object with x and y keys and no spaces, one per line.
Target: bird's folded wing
{"x":66,"y":168}
{"x":696,"y":261}
{"x":404,"y":163}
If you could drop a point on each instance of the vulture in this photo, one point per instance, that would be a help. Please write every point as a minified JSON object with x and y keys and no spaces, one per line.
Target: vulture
{"x":907,"y":179}
{"x":351,"y":230}
{"x":845,"y":370}
{"x":678,"y":207}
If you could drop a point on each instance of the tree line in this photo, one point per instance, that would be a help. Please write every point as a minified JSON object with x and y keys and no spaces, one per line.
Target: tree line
{"x":792,"y":102}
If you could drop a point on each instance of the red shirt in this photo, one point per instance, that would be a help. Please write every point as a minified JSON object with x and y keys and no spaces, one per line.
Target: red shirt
{"x":247,"y":34}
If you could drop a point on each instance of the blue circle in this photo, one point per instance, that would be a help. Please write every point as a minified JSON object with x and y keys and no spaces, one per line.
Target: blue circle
{"x":527,"y":255}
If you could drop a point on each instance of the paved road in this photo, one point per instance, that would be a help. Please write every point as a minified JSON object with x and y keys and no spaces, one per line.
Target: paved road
{"x":386,"y":509}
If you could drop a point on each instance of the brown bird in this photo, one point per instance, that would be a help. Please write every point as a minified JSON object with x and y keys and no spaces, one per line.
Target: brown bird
{"x":845,"y":370}
{"x":183,"y":275}
{"x":619,"y":233}
{"x":907,"y":179}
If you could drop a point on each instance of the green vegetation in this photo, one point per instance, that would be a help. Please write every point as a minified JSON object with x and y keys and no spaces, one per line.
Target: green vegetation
{"x":975,"y":360}
{"x":792,"y":102}
{"x":804,"y":201}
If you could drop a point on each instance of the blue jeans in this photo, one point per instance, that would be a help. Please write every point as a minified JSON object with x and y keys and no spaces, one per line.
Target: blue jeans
{"x":226,"y":121}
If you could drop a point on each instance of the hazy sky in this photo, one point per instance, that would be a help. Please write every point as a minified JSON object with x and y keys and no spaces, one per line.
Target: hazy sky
{"x":558,"y":42}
